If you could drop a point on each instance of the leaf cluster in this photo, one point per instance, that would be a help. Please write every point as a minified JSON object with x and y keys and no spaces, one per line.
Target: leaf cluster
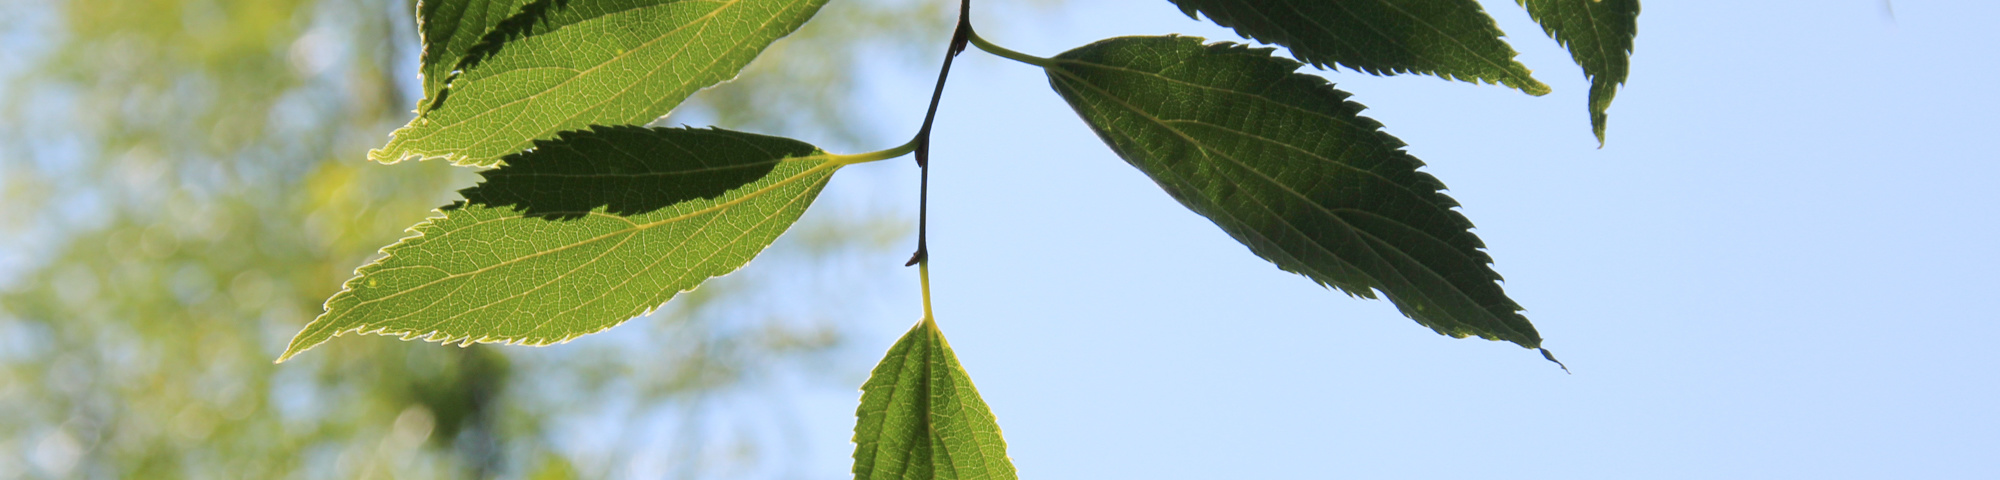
{"x":587,"y":219}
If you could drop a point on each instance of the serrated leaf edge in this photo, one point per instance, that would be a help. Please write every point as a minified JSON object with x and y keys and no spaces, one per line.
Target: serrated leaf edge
{"x":300,"y":345}
{"x":1451,"y":206}
{"x":385,"y":156}
{"x":1532,"y":86}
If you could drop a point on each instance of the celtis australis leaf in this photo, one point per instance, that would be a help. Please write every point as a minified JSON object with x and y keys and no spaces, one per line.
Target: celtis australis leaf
{"x":560,"y":65}
{"x":450,"y":28}
{"x":1448,"y":38}
{"x":1287,"y":166}
{"x":920,"y":417}
{"x":580,"y":234}
{"x":1599,"y":36}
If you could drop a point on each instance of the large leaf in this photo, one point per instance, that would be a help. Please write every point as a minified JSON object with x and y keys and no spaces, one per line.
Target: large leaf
{"x":450,"y":28}
{"x":580,"y":234}
{"x":1447,"y":38}
{"x":1599,"y":36}
{"x":1287,"y":166}
{"x":560,"y":65}
{"x":920,"y":417}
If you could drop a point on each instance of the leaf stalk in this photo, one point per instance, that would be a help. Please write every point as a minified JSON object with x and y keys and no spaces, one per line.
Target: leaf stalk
{"x":989,"y":47}
{"x":875,"y":156}
{"x":924,"y":277}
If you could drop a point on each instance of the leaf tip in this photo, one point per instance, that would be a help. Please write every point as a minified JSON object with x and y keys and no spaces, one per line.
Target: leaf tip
{"x":1536,"y":88}
{"x":1552,"y":358}
{"x":1597,"y":128}
{"x":290,"y":351}
{"x":305,"y":340}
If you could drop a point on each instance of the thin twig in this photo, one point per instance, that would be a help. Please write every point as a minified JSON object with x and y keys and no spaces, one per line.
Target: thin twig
{"x":958,"y":41}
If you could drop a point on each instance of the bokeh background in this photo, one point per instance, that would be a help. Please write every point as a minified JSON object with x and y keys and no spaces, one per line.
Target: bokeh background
{"x":185,"y":183}
{"x":1780,"y":265}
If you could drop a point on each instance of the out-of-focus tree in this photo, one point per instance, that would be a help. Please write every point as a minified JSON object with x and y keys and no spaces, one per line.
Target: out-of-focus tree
{"x":185,"y":182}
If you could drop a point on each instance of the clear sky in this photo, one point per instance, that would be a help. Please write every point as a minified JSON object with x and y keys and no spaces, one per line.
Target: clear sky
{"x":1780,"y":266}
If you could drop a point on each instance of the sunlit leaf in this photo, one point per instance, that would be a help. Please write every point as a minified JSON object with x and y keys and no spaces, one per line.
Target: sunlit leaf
{"x":1448,"y":38}
{"x":560,"y":65}
{"x":449,"y":28}
{"x":1599,"y":36}
{"x":1286,"y":165}
{"x":580,"y":234}
{"x":920,"y":417}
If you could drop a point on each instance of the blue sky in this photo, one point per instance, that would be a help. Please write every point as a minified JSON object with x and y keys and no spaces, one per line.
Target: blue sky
{"x":1778,"y":267}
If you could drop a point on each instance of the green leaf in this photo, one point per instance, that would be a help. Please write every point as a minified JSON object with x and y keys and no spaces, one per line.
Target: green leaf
{"x":1286,"y":165}
{"x":1599,"y":36}
{"x":450,"y":28}
{"x":580,"y":234}
{"x":560,"y":65}
{"x":1448,"y":38}
{"x":920,"y":417}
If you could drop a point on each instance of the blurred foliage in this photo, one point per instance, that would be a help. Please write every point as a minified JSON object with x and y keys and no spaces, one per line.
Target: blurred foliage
{"x":186,"y":184}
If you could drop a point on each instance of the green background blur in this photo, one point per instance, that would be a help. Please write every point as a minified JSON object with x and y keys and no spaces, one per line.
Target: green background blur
{"x":185,"y":183}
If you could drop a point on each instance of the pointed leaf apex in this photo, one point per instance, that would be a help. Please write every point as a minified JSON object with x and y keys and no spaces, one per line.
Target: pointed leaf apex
{"x":1285,"y":164}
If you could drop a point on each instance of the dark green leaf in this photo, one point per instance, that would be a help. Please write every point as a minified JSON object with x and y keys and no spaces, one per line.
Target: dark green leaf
{"x":559,"y":65}
{"x":1447,"y":38}
{"x":1286,"y":165}
{"x":1599,"y":36}
{"x":450,"y":28}
{"x":580,"y":234}
{"x":920,"y":417}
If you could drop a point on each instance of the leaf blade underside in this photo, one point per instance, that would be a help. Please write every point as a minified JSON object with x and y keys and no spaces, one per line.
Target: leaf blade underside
{"x":1453,"y":39}
{"x":1599,"y":35}
{"x":579,"y":235}
{"x":561,"y":65}
{"x":921,"y":418}
{"x":1287,"y":166}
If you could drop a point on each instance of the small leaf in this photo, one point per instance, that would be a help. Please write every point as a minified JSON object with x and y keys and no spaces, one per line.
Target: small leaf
{"x":559,"y":65}
{"x":1287,"y":166}
{"x":1599,"y":36}
{"x":579,"y":235}
{"x":920,"y":417}
{"x":450,"y":28}
{"x":1448,"y":38}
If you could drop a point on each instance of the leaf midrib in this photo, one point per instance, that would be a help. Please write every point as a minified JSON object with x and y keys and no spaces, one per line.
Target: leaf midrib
{"x":656,"y":261}
{"x":634,"y":175}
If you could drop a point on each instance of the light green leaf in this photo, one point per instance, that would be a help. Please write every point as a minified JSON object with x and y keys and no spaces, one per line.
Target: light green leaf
{"x":560,"y":65}
{"x":1448,"y":38}
{"x":1286,"y":165}
{"x":920,"y":417}
{"x":1599,"y":36}
{"x":579,"y":235}
{"x":450,"y":28}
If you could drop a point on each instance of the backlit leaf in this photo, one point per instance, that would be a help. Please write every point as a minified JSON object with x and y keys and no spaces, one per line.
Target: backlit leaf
{"x":579,"y":235}
{"x":1287,"y":166}
{"x":1448,"y":38}
{"x":920,"y":417}
{"x":1599,"y":36}
{"x":449,"y":28}
{"x":560,"y":65}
